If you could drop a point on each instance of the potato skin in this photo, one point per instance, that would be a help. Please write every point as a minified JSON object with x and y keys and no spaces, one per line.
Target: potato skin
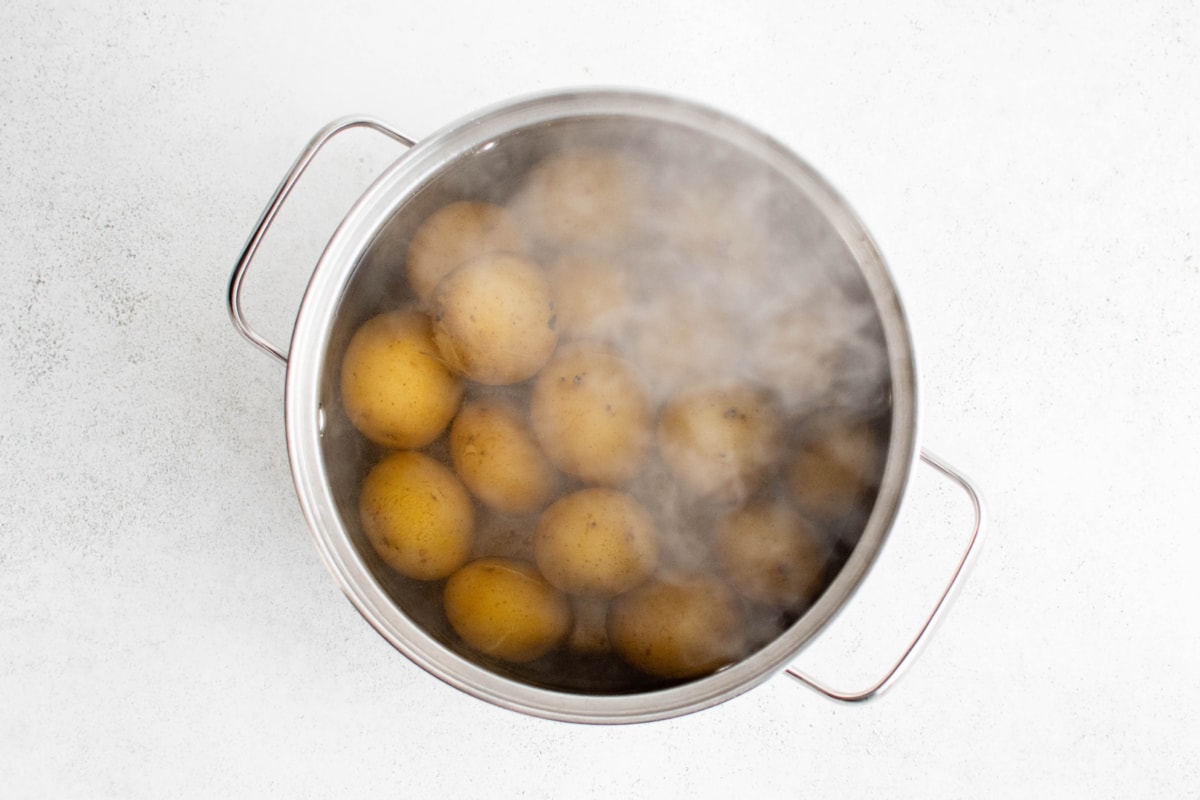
{"x":453,"y":235}
{"x":770,"y":554}
{"x":678,"y":625}
{"x":720,"y":442}
{"x":503,"y":608}
{"x":495,"y":454}
{"x":596,"y":542}
{"x":832,"y":465}
{"x":591,"y":416}
{"x":493,"y":319}
{"x":417,"y":515}
{"x":395,"y":388}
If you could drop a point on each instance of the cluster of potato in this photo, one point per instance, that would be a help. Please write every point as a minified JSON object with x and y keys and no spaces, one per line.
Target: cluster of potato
{"x":514,"y":353}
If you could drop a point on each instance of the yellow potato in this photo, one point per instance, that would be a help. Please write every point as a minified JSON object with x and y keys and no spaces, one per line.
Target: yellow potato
{"x":592,"y":295}
{"x":596,"y":542}
{"x":503,"y":608}
{"x":453,"y":235}
{"x":678,"y":625}
{"x":493,"y":319}
{"x":395,"y":388}
{"x":770,"y":554}
{"x":833,"y":464}
{"x":497,"y":457}
{"x":591,"y":416}
{"x":587,"y":196}
{"x":720,"y":442}
{"x":417,"y":515}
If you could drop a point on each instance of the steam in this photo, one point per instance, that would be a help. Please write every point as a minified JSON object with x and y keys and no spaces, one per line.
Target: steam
{"x":730,"y":275}
{"x":734,"y":275}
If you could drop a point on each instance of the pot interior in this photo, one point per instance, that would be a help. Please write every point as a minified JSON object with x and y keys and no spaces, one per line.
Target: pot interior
{"x":772,"y":291}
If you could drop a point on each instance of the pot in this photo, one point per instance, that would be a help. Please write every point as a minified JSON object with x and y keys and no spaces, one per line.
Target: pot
{"x":348,"y":285}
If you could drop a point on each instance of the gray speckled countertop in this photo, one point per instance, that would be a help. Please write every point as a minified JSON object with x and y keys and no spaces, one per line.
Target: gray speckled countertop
{"x":167,"y":628}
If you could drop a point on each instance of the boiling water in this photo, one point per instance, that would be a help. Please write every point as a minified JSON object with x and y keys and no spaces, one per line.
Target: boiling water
{"x":736,"y":275}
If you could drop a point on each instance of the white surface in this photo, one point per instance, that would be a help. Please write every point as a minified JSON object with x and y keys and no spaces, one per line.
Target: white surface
{"x":166,"y":627}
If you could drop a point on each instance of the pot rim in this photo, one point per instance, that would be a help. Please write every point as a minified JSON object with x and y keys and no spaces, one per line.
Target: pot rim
{"x":304,"y":414}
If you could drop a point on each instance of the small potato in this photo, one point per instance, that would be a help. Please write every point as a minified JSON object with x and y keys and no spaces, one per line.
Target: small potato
{"x":770,"y":554}
{"x":453,"y":235}
{"x":503,"y":608}
{"x":497,"y":457}
{"x":596,"y":542}
{"x":395,"y":388}
{"x":833,"y":464}
{"x":588,"y":196}
{"x":678,"y":625}
{"x":493,"y":319}
{"x":417,"y":515}
{"x":592,"y":296}
{"x":591,"y":416}
{"x":720,"y":442}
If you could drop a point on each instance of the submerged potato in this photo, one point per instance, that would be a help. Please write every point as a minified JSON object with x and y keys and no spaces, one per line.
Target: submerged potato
{"x":587,"y":196}
{"x":591,"y":416}
{"x":453,"y":235}
{"x":678,"y":625}
{"x":493,"y":319}
{"x":770,"y":554}
{"x":395,"y":388}
{"x":596,"y":542}
{"x":503,"y":608}
{"x":720,"y":442}
{"x":417,"y":515}
{"x":833,"y":464}
{"x":497,"y":457}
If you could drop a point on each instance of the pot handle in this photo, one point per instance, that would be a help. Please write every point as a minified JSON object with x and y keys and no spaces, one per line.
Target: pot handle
{"x":268,"y":216}
{"x":877,"y":688}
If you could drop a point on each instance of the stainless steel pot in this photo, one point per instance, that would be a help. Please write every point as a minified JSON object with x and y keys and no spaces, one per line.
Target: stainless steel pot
{"x":338,"y":296}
